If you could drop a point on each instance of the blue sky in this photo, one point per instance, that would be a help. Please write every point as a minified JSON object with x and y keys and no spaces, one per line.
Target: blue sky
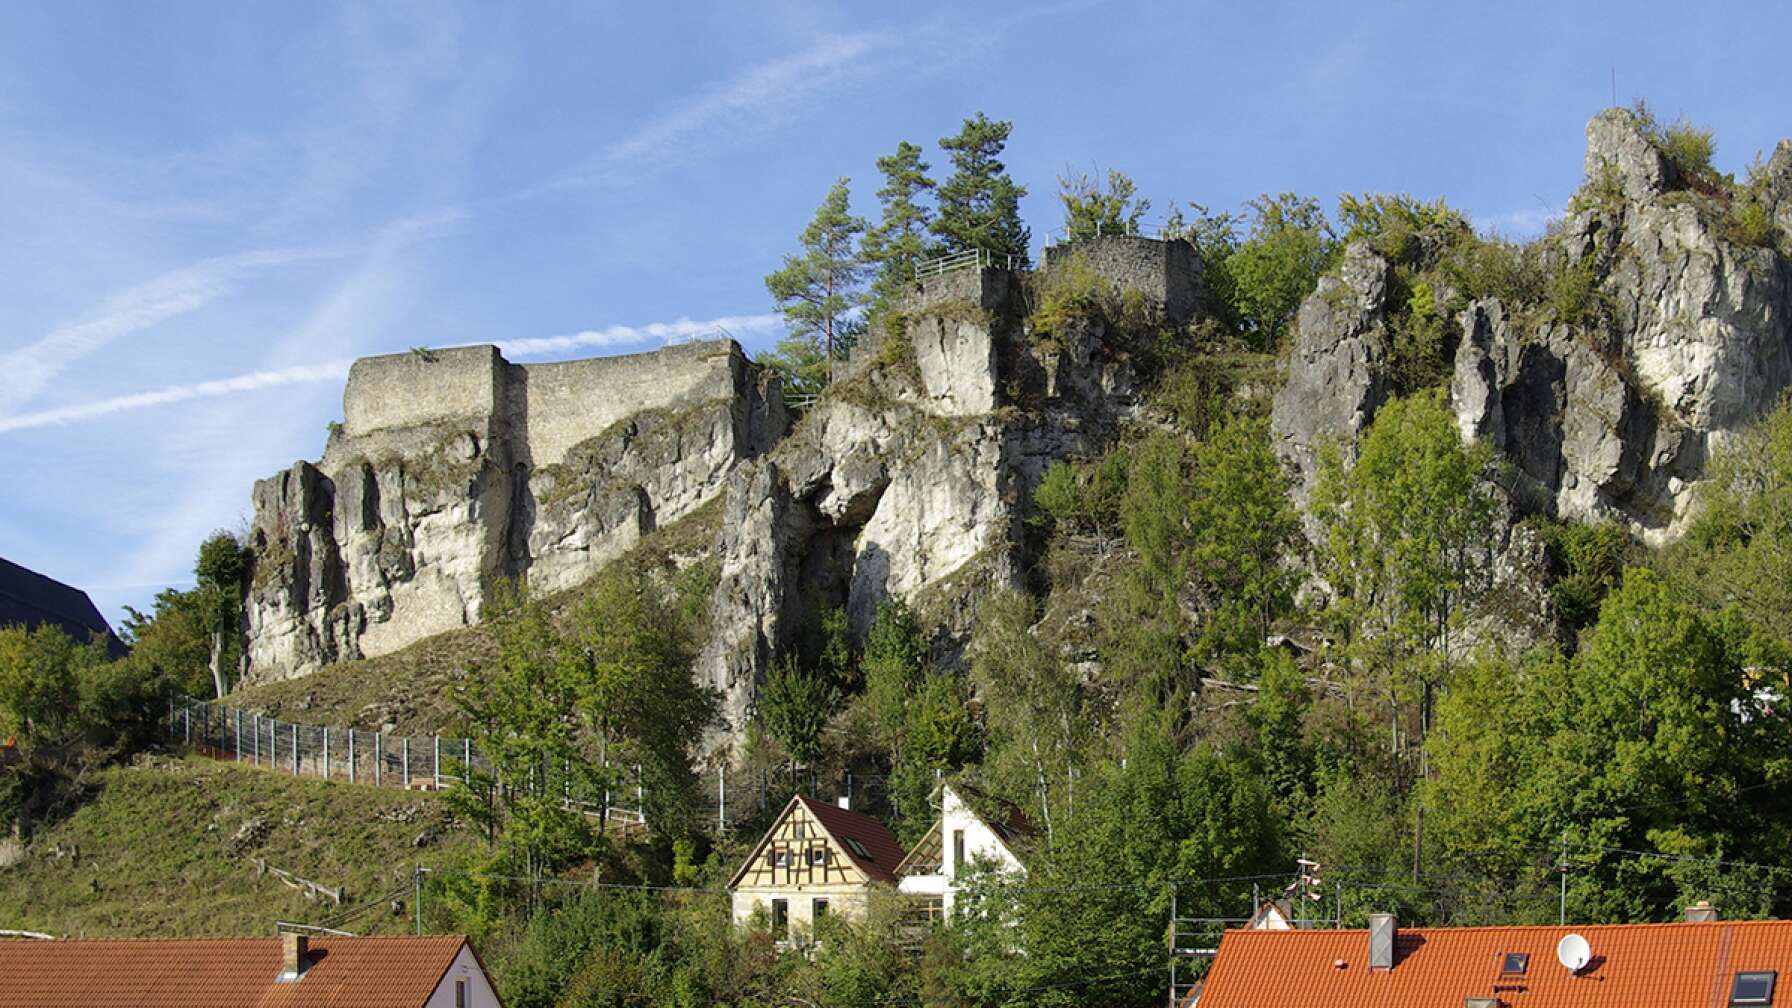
{"x":208,"y":209}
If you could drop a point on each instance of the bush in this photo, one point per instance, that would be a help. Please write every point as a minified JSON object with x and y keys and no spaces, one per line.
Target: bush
{"x":1689,"y":147}
{"x":1394,"y":225}
{"x":1575,"y":295}
{"x":1076,"y":291}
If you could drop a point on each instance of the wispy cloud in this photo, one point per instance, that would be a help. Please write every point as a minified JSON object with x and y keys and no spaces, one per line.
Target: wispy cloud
{"x":652,"y":332}
{"x":336,"y":370}
{"x":759,"y":94}
{"x":180,"y":292}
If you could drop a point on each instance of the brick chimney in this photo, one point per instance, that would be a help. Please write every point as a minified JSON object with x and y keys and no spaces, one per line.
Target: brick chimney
{"x":293,"y":947}
{"x":1381,"y":941}
{"x":1701,"y":912}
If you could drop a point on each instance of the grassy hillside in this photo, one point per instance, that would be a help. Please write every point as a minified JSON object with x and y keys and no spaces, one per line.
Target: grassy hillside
{"x":167,"y":847}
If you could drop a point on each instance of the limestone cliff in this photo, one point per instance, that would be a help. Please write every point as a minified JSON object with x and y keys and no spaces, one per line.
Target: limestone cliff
{"x":912,"y":477}
{"x":453,"y":469}
{"x":1611,"y":415}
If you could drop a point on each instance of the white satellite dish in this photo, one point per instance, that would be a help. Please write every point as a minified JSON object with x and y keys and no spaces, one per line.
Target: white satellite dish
{"x":1573,"y":952}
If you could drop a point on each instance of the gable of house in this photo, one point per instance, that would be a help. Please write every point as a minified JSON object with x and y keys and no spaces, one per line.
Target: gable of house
{"x":814,"y":844}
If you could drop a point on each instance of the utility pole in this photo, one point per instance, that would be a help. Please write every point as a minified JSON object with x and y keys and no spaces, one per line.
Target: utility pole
{"x":417,"y":895}
{"x":1562,"y":913}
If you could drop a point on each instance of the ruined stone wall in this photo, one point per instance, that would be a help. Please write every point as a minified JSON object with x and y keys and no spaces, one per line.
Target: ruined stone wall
{"x":564,"y":404}
{"x":1164,"y":271}
{"x":418,"y":388}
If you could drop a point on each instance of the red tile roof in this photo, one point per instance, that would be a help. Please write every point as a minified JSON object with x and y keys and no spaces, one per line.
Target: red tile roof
{"x":1655,"y":965}
{"x":885,"y":853}
{"x":373,"y":972}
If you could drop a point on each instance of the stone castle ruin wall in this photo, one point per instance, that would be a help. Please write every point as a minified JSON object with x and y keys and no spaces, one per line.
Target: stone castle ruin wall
{"x":544,"y":409}
{"x":1166,"y":272}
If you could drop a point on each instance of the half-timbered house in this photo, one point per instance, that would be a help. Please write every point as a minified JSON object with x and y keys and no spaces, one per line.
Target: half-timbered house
{"x":817,"y":859}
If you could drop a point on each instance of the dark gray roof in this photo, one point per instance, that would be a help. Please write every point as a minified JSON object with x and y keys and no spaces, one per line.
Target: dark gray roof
{"x":29,"y":599}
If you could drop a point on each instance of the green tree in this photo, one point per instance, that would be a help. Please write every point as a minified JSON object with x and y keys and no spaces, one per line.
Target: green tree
{"x":899,"y":240}
{"x":1242,"y":531}
{"x":1407,"y":552}
{"x":524,"y":718}
{"x":818,"y":290}
{"x":1738,"y":550}
{"x":1408,"y":528}
{"x":630,"y":664}
{"x":1033,"y":706}
{"x":65,"y":709}
{"x":795,"y":704}
{"x":1089,"y":212}
{"x":979,"y":205}
{"x":172,"y":643}
{"x":219,"y":573}
{"x":1277,"y":265}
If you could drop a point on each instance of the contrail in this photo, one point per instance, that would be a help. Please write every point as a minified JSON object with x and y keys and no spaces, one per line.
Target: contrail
{"x":336,"y":370}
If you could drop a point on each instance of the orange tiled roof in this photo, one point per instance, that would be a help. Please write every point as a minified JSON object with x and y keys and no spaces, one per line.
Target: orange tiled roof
{"x":1657,"y":965}
{"x":373,"y":972}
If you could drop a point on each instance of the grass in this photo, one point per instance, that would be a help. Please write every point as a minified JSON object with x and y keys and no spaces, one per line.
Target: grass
{"x":160,"y":850}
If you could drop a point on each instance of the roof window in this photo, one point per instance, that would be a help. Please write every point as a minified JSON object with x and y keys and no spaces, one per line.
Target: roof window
{"x":858,"y":848}
{"x":1515,"y":963}
{"x":1753,"y":988}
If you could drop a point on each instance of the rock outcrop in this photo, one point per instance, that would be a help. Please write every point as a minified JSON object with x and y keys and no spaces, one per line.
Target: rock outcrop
{"x":912,"y":477}
{"x":1611,"y":416}
{"x":454,"y":469}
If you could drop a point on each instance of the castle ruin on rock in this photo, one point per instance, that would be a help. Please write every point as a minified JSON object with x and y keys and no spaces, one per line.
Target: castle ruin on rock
{"x":453,"y":469}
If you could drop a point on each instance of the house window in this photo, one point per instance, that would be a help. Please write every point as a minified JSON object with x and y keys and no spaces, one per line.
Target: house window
{"x":460,"y":994}
{"x":780,"y":917}
{"x":1515,"y":963}
{"x":957,"y":851}
{"x":818,"y":855}
{"x":818,"y":910}
{"x":780,"y":858}
{"x":799,"y":829}
{"x":1755,"y":988}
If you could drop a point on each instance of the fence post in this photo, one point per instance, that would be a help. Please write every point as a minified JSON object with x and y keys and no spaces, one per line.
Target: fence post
{"x":237,"y":735}
{"x":326,"y":752}
{"x":295,"y":750}
{"x":378,"y":761}
{"x":640,"y":799}
{"x":351,"y":755}
{"x":404,"y":752}
{"x":189,"y":723}
{"x":466,"y":762}
{"x":436,"y":756}
{"x":721,"y":800}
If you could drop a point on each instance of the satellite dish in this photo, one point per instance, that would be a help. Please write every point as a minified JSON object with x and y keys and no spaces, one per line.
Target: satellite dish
{"x":1573,"y":952}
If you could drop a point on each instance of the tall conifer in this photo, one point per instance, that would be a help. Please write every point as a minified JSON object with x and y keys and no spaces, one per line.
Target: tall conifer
{"x":979,"y":206}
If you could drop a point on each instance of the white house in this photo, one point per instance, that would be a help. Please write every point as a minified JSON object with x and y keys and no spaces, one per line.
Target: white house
{"x":958,"y":838}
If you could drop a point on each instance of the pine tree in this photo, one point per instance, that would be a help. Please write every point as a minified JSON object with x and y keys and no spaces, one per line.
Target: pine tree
{"x":817,"y":290}
{"x":979,"y":206}
{"x":891,"y":248}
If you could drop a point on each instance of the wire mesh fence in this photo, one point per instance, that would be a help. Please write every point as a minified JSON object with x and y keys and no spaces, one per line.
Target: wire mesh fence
{"x":730,"y":796}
